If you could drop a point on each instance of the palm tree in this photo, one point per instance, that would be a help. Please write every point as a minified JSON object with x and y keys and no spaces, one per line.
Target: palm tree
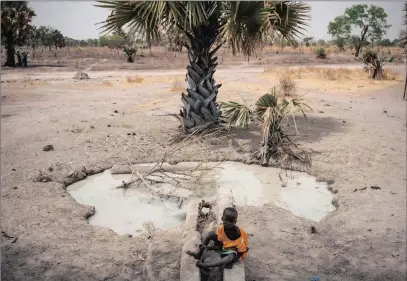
{"x":404,"y":44}
{"x":15,"y":26}
{"x":207,"y":25}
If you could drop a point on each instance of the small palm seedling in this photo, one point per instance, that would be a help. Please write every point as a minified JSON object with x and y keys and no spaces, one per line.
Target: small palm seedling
{"x":130,"y":53}
{"x":270,"y":110}
{"x":374,"y":64}
{"x":320,"y":53}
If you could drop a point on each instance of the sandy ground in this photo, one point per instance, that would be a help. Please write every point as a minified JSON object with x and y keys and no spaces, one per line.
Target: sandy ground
{"x":358,"y":139}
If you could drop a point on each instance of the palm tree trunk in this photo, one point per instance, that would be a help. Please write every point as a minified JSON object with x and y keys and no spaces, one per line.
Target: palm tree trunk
{"x":200,"y":110}
{"x":10,"y":51}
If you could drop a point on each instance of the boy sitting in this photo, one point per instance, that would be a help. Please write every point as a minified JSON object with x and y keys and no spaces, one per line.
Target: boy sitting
{"x":232,"y":239}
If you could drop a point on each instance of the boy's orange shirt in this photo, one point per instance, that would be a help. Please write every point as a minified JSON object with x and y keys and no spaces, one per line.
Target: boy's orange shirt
{"x":240,"y":245}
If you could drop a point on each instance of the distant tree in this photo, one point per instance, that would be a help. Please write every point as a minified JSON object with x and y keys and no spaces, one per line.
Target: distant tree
{"x":112,"y":41}
{"x":70,"y":42}
{"x":403,"y":34}
{"x":34,"y":38}
{"x":45,"y":35}
{"x":385,"y":43}
{"x":16,"y":26}
{"x":340,"y":30}
{"x":92,"y":42}
{"x":340,"y":42}
{"x":371,"y":20}
{"x":58,"y":39}
{"x":307,"y":41}
{"x":395,"y":42}
{"x":403,"y":44}
{"x":321,"y":42}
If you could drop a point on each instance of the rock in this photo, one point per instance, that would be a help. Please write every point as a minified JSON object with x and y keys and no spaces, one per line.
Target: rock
{"x":313,"y":229}
{"x":375,"y":187}
{"x":81,"y":76}
{"x":321,"y":111}
{"x":92,"y":127}
{"x":48,"y":147}
{"x":116,"y":111}
{"x":109,"y":126}
{"x":42,"y":178}
{"x":74,"y":176}
{"x":90,"y":211}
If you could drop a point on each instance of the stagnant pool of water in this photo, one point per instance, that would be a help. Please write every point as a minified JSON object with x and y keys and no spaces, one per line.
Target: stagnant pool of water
{"x":296,"y":192}
{"x":125,"y":210}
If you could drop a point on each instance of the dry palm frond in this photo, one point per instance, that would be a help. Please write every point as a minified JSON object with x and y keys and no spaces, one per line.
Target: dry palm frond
{"x":270,"y":110}
{"x":236,"y":114}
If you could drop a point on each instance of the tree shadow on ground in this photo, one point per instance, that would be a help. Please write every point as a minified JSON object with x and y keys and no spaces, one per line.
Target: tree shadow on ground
{"x":25,"y":261}
{"x":311,"y":129}
{"x":56,"y":65}
{"x":314,"y":128}
{"x":33,"y":66}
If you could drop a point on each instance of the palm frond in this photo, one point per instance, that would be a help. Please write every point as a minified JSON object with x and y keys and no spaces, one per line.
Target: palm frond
{"x":140,"y":16}
{"x":236,"y":114}
{"x":287,"y":18}
{"x":242,"y":24}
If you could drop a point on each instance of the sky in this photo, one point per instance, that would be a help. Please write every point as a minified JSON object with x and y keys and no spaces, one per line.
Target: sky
{"x":77,"y":19}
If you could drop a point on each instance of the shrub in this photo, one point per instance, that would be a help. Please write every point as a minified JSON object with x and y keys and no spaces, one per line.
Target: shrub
{"x":135,"y":79}
{"x":130,"y":53}
{"x":374,"y":64}
{"x":320,"y":53}
{"x":287,"y":83}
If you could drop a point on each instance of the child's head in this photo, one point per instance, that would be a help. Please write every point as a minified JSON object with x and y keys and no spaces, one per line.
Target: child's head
{"x":229,"y":217}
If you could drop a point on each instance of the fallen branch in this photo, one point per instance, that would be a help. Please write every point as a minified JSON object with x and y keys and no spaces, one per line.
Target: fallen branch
{"x":157,"y":193}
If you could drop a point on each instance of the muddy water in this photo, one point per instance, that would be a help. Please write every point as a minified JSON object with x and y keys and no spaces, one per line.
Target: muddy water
{"x":124,"y":211}
{"x":296,"y":192}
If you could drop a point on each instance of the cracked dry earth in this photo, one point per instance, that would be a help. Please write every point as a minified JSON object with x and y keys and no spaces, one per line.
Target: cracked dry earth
{"x":359,"y":140}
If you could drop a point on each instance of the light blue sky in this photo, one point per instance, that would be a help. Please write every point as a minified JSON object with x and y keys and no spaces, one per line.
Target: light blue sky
{"x":77,"y":19}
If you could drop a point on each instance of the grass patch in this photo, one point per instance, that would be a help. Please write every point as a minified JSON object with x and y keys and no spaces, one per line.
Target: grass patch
{"x":135,"y":79}
{"x":338,"y":74}
{"x":107,"y":84}
{"x":287,"y":83}
{"x":323,"y":73}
